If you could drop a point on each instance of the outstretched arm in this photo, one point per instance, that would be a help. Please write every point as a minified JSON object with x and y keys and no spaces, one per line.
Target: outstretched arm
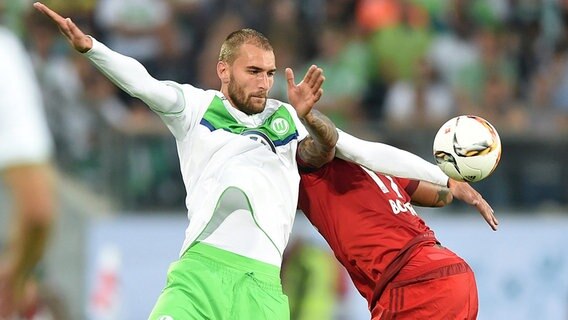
{"x":431,"y":195}
{"x":319,"y":147}
{"x":125,"y":72}
{"x":387,"y":159}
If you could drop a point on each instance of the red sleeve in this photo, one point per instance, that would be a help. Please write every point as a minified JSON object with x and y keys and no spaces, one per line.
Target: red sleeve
{"x":408,"y":185}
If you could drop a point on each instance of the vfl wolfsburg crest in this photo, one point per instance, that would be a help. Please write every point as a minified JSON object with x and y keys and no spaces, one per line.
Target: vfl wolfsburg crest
{"x":280,"y":126}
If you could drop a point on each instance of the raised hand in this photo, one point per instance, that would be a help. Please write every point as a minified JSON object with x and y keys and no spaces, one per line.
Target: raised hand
{"x":74,"y":35}
{"x":304,"y":95}
{"x":464,"y":192}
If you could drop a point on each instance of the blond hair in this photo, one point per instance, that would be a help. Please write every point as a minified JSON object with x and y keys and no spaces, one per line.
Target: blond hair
{"x":233,"y":42}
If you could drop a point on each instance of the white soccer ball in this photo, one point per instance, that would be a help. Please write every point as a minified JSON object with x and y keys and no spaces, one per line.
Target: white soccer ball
{"x":467,"y":148}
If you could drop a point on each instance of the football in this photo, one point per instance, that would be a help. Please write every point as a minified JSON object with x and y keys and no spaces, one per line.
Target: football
{"x":467,"y":148}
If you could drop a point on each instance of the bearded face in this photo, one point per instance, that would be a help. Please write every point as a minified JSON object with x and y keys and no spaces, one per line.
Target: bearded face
{"x":251,"y":77}
{"x":249,"y":103}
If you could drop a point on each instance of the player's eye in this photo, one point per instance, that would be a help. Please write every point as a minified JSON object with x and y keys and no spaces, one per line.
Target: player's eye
{"x":254,"y":71}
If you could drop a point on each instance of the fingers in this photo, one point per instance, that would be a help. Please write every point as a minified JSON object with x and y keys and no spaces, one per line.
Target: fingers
{"x":493,"y":222}
{"x":308,"y":78}
{"x":61,"y":22}
{"x":290,"y":78}
{"x":318,"y":95}
{"x":316,"y":79}
{"x":75,"y":36}
{"x":65,"y":28}
{"x":488,"y":214}
{"x":313,"y":79}
{"x":319,"y":81}
{"x":73,"y":30}
{"x":466,"y":193}
{"x":50,"y":13}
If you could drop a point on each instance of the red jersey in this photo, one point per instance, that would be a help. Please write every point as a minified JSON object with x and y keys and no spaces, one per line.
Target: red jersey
{"x":365,"y":217}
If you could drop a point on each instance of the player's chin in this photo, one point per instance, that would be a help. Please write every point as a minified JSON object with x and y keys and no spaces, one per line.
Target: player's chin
{"x":257,"y":105}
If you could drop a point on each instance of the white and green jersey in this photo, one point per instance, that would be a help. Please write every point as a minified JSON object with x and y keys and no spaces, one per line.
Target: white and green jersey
{"x":252,"y":158}
{"x":242,"y":167}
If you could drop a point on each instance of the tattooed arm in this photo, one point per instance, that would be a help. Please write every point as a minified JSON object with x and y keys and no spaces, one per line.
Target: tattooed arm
{"x":318,"y":148}
{"x":431,"y":195}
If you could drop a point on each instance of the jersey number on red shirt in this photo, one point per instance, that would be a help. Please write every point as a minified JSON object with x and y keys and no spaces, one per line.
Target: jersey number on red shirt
{"x":397,"y":205}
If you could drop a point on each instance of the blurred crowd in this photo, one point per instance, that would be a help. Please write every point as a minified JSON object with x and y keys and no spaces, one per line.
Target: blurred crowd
{"x":390,"y":65}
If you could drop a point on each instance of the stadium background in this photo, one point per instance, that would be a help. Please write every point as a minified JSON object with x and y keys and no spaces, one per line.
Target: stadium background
{"x":395,"y":70}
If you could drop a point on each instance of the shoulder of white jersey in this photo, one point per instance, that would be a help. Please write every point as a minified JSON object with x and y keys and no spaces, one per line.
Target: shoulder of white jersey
{"x":287,"y":106}
{"x":274,"y":104}
{"x":194,"y":101}
{"x":193,"y":95}
{"x":186,"y":87}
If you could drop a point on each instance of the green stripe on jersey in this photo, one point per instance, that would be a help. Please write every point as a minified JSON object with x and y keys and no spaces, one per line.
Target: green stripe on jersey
{"x":279,"y":127}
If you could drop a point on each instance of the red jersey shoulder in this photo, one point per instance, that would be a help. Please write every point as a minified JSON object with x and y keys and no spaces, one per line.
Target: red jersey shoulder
{"x":337,"y":168}
{"x":409,"y":185}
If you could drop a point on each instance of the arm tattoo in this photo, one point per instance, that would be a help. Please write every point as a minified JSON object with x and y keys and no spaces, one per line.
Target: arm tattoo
{"x":442,"y":196}
{"x":319,"y":147}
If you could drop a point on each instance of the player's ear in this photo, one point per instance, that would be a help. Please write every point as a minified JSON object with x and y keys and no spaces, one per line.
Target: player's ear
{"x":223,"y":72}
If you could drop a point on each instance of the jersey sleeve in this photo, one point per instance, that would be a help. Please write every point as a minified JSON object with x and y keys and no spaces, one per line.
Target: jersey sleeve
{"x":388,"y":159}
{"x":194,"y":102}
{"x":166,"y":98}
{"x":131,"y":76}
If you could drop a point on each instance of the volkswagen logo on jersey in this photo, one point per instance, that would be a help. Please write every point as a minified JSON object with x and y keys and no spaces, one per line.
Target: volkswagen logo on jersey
{"x":260,"y":137}
{"x":280,"y":126}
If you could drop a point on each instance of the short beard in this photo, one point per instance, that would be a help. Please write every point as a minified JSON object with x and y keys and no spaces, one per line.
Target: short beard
{"x":241,"y":101}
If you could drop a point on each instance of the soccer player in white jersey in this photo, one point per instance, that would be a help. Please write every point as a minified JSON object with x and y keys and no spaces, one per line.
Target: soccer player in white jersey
{"x":25,"y":170}
{"x":237,"y":153}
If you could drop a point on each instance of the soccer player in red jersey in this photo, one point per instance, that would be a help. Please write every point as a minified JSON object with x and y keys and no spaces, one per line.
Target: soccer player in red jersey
{"x":392,"y":256}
